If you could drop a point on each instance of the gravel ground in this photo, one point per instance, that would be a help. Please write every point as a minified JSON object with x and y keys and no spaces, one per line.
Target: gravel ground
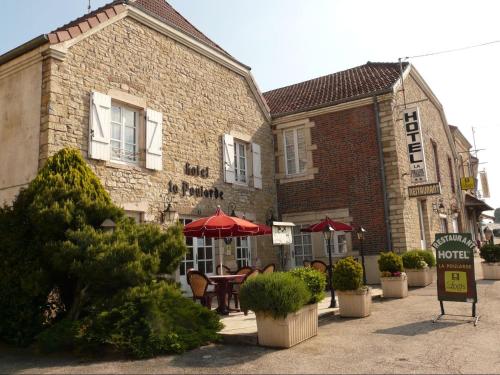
{"x":398,"y":337}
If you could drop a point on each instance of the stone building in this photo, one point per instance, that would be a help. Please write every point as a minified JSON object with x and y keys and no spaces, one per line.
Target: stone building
{"x":467,"y":170}
{"x":161,"y":113}
{"x":344,"y":145}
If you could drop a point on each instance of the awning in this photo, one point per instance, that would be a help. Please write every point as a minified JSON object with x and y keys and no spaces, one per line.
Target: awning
{"x":476,"y":204}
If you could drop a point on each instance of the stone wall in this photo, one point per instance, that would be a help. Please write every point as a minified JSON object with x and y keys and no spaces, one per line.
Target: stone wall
{"x":404,"y":217}
{"x":200,"y":100}
{"x":20,"y":82}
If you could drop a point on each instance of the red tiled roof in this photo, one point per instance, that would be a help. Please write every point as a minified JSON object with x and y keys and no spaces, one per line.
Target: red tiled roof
{"x":355,"y":83}
{"x":159,"y":9}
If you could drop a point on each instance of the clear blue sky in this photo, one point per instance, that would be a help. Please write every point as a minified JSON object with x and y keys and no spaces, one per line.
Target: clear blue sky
{"x":287,"y":41}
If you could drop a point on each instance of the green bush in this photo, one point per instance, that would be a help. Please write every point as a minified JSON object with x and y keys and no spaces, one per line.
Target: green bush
{"x":347,"y":274}
{"x":390,"y":262}
{"x":490,"y":253}
{"x":315,"y":282}
{"x":276,"y":294}
{"x":429,"y":257}
{"x":413,"y":259}
{"x":82,"y":288}
{"x":140,"y":322}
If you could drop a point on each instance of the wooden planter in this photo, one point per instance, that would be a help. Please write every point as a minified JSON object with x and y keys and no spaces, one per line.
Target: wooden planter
{"x":491,"y":271}
{"x":355,"y":303}
{"x":419,"y":277}
{"x":395,"y":287}
{"x":290,"y":331}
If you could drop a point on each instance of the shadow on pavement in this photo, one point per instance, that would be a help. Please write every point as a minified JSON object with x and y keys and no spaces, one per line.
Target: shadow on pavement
{"x":487,"y":282}
{"x":418,"y":328}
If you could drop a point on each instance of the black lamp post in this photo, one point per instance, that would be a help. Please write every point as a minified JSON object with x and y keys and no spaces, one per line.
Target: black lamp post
{"x":108,"y":225}
{"x":361,"y":237}
{"x":327,"y":233}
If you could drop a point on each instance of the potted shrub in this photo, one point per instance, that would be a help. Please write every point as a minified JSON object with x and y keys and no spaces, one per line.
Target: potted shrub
{"x":417,"y":265}
{"x":394,"y":280}
{"x":355,"y":299}
{"x":281,"y":304}
{"x":491,"y":264}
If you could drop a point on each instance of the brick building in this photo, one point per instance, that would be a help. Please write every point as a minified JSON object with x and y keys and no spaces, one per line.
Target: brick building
{"x":160,"y":112}
{"x":342,"y":151}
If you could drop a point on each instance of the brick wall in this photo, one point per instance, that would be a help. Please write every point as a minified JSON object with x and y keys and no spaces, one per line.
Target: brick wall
{"x":348,"y":175}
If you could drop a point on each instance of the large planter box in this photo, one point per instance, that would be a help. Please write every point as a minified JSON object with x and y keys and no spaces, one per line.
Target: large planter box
{"x":395,"y":287}
{"x":421,"y":277}
{"x":355,"y":303}
{"x":285,"y":333}
{"x":491,"y":271}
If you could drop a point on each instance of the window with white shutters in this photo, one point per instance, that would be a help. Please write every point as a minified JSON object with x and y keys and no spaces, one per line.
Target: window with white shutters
{"x":228,"y":158}
{"x":154,"y":140}
{"x":257,"y":166}
{"x":99,"y":126}
{"x":240,"y":162}
{"x":124,"y":139}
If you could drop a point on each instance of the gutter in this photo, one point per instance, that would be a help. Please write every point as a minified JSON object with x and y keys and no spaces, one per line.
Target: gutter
{"x":382,"y":174}
{"x":23,"y":48}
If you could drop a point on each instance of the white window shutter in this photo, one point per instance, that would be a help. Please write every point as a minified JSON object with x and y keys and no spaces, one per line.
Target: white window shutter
{"x":100,"y":126}
{"x":154,"y":140}
{"x":228,"y":146}
{"x":257,"y":166}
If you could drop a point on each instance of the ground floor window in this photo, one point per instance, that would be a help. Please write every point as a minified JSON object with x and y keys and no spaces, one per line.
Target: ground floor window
{"x":302,"y":246}
{"x":443,"y":224}
{"x":243,"y":252}
{"x":338,"y":244}
{"x":199,"y":255}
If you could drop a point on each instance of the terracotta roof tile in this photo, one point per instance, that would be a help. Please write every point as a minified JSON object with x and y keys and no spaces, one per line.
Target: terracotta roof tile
{"x":159,"y":9}
{"x":344,"y":86}
{"x":74,"y":31}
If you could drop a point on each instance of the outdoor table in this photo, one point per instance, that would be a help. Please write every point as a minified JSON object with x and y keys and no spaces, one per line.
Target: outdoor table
{"x":223,"y":289}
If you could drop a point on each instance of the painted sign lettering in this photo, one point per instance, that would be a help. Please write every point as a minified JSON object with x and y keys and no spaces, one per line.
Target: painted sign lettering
{"x":415,"y":145}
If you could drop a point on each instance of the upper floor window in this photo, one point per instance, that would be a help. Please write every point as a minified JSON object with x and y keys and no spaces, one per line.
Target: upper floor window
{"x":240,"y":162}
{"x":295,"y":151}
{"x":436,"y":161}
{"x":452,"y":177}
{"x":123,"y":134}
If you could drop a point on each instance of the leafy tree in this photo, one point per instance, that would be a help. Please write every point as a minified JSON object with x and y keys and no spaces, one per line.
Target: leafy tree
{"x":74,"y":286}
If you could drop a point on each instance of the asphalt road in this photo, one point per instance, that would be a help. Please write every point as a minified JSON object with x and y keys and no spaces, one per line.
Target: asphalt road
{"x":398,"y":337}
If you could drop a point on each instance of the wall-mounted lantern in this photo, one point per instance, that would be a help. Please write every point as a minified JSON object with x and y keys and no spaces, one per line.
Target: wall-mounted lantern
{"x":168,"y":213}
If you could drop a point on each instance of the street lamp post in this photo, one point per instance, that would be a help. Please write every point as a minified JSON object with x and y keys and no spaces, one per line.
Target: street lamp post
{"x":361,"y":237}
{"x":327,"y":233}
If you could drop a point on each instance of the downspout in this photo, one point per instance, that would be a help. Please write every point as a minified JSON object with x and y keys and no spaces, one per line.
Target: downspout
{"x":382,"y":173}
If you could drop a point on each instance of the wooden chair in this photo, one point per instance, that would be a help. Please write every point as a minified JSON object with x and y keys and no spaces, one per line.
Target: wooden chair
{"x":227,"y":270}
{"x":244,"y":270}
{"x":306,"y":263}
{"x":270,"y":268}
{"x":236,"y":290}
{"x":319,"y":265}
{"x":203,"y":289}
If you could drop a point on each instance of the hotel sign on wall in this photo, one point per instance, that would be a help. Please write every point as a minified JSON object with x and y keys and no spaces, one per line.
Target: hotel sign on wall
{"x":415,"y":145}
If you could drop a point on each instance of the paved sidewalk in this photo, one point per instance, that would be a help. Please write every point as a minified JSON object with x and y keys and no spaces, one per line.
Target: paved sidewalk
{"x":398,"y":337}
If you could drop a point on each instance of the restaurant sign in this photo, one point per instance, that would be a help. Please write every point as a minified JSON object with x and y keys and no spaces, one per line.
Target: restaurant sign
{"x":455,"y":267}
{"x":415,"y":145}
{"x":282,"y":233}
{"x":424,"y":190}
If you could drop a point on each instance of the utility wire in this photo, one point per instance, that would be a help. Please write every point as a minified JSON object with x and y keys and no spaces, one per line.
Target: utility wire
{"x":452,"y":50}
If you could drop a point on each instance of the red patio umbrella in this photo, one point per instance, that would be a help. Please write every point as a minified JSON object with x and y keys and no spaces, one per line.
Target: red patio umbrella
{"x":328,"y":225}
{"x":221,"y":226}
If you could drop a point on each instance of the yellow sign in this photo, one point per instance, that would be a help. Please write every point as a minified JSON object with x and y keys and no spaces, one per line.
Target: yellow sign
{"x":467,"y":183}
{"x":455,"y":282}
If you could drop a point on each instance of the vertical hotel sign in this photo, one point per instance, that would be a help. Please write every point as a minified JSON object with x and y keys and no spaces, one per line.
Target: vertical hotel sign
{"x":415,"y":145}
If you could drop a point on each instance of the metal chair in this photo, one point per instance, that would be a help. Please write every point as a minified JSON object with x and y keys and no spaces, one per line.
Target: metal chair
{"x":236,"y":291}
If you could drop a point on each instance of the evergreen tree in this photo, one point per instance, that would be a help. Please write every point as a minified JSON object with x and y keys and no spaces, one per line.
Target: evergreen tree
{"x":72,"y":285}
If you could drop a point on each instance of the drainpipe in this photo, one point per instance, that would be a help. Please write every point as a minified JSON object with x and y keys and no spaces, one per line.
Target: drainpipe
{"x":382,"y":173}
